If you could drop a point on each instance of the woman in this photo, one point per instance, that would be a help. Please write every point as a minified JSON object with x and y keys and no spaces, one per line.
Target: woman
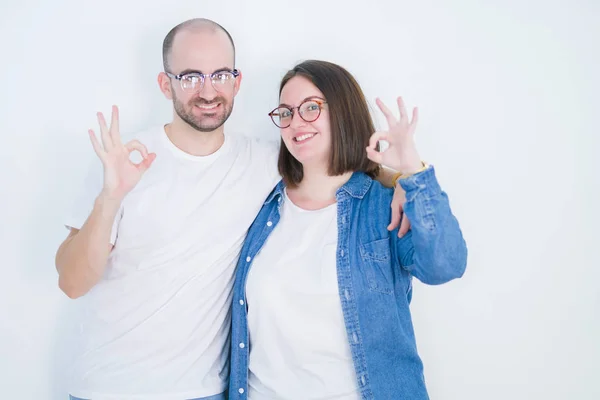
{"x":322,"y":291}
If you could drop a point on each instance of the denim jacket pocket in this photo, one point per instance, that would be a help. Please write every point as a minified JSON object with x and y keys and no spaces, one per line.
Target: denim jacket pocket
{"x":376,"y":260}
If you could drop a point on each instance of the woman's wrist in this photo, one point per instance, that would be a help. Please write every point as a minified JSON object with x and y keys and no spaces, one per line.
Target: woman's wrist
{"x":409,"y":172}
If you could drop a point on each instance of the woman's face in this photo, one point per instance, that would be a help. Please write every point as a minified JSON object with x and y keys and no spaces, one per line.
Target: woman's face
{"x":308,"y":136}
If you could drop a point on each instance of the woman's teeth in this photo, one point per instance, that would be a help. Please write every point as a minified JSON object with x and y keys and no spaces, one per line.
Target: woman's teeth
{"x":304,"y":137}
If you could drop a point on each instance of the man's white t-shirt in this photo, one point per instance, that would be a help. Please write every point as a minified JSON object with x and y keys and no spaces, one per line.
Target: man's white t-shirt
{"x":299,"y":348}
{"x":157,"y":325}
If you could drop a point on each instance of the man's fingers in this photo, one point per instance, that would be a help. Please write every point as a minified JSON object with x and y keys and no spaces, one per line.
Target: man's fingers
{"x":104,"y":132}
{"x":144,"y":165}
{"x":137,"y":145}
{"x":148,"y":157}
{"x":404,"y":226}
{"x":115,"y":132}
{"x":396,"y":214}
{"x":96,"y":145}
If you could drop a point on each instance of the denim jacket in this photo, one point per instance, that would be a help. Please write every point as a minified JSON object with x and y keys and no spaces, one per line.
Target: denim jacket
{"x":374,"y":269}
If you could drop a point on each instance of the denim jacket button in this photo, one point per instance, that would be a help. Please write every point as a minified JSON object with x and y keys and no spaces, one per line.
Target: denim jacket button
{"x":248,"y":259}
{"x":269,"y":223}
{"x":242,"y":345}
{"x":241,"y":302}
{"x":342,"y":252}
{"x":241,"y":390}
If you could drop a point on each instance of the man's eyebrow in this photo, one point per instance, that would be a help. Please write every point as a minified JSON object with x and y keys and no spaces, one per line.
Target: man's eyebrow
{"x":195,"y":71}
{"x":190,"y":71}
{"x":223,"y":69}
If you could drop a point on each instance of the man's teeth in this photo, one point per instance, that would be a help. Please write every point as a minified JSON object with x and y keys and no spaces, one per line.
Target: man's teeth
{"x":304,"y":137}
{"x":207,"y":107}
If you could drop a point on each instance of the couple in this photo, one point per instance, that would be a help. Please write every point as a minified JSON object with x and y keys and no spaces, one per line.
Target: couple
{"x":224,"y":264}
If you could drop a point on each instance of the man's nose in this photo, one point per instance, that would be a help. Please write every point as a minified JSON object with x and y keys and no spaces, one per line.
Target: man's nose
{"x":207,"y":91}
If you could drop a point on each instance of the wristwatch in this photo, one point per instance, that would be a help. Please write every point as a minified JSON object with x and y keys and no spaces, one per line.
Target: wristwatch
{"x":400,"y":175}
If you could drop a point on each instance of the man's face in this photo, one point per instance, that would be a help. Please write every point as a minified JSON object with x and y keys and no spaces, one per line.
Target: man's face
{"x":204,"y":106}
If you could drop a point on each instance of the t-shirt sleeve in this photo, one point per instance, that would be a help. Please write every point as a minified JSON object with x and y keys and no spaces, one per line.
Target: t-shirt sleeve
{"x":83,"y":202}
{"x":271,"y":157}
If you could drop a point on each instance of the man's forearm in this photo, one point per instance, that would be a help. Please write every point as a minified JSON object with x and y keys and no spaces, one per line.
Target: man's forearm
{"x":81,"y":259}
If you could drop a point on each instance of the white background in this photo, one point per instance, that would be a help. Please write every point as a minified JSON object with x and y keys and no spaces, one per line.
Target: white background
{"x":508,"y":95}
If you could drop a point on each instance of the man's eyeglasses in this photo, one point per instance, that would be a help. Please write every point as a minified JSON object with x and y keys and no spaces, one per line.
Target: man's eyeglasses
{"x":309,"y":111}
{"x":194,"y":81}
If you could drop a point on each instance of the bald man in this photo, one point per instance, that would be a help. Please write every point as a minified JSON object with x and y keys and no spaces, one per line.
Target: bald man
{"x":152,"y":247}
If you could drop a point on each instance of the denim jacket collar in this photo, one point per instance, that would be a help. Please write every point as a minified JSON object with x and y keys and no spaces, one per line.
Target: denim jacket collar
{"x":357,"y":186}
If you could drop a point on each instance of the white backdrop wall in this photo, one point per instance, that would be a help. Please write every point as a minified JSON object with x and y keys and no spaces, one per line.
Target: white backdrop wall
{"x":508,"y":97}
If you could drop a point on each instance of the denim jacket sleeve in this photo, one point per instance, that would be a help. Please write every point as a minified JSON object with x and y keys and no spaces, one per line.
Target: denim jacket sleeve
{"x":434,"y":251}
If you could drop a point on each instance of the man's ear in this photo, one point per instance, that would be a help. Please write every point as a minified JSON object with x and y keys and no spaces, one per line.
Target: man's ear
{"x":238,"y":82}
{"x":164,"y":83}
